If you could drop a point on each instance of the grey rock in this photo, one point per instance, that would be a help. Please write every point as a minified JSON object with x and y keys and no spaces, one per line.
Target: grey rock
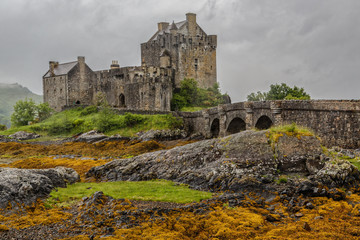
{"x":166,"y":134}
{"x":22,"y":135}
{"x":336,"y":173}
{"x":25,"y":186}
{"x":298,"y":155}
{"x":91,"y":137}
{"x":232,"y":163}
{"x":347,"y":153}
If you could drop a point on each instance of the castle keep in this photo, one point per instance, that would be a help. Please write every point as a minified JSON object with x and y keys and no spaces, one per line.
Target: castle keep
{"x":176,"y":51}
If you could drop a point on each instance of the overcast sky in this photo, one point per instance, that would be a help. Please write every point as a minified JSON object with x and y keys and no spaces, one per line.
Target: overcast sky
{"x":313,"y":44}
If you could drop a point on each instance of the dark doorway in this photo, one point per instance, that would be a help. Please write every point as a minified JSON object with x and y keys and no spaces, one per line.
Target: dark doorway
{"x":77,"y":102}
{"x":236,"y":125}
{"x":122,"y":100}
{"x":215,"y":128}
{"x":264,"y":122}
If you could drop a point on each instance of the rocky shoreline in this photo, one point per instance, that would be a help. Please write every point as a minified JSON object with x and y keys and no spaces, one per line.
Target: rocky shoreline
{"x":247,"y":169}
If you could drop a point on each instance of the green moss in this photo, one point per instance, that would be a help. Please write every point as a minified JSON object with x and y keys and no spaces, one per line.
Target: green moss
{"x":282,"y":179}
{"x":156,"y":190}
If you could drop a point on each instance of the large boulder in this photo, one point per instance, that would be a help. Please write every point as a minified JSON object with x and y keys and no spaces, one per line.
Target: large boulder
{"x":165,"y":134}
{"x":25,"y":186}
{"x":90,"y":137}
{"x":22,"y":135}
{"x":229,"y":163}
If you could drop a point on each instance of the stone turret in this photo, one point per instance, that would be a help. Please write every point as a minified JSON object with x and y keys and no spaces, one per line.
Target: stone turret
{"x":173,"y":28}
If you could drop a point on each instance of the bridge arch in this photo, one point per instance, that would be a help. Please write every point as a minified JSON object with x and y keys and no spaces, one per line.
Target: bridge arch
{"x":236,"y":125}
{"x":215,"y":128}
{"x":264,"y":122}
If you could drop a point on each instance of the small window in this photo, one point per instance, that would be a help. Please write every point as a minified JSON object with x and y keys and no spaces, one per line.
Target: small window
{"x":196,"y":67}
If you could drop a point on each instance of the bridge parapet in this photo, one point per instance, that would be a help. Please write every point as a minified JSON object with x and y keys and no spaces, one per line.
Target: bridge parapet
{"x":337,"y":122}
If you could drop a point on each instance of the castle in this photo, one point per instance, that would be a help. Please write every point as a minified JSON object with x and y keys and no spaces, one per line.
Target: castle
{"x":176,"y":51}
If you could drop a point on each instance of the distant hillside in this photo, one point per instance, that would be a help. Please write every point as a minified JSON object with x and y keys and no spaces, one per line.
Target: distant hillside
{"x":9,"y":95}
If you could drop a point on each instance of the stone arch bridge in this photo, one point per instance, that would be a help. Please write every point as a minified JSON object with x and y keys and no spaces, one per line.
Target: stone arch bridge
{"x":336,"y":122}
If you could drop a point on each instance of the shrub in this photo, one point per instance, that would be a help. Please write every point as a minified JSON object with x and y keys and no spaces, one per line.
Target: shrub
{"x":283,"y":179}
{"x":2,"y":127}
{"x":78,"y":122}
{"x":133,"y":119}
{"x":108,"y":120}
{"x":89,"y":110}
{"x":59,"y":127}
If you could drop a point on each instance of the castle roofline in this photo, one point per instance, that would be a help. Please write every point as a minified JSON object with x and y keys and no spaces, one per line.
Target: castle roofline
{"x":61,"y":69}
{"x":174,"y":26}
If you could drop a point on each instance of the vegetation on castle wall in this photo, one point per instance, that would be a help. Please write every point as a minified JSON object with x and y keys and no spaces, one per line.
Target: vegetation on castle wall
{"x":280,"y":92}
{"x":190,"y":95}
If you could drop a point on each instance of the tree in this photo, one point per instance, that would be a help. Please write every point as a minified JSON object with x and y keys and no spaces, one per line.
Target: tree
{"x":190,"y":95}
{"x":280,"y":92}
{"x":24,"y":112}
{"x":43,"y":111}
{"x":259,"y":96}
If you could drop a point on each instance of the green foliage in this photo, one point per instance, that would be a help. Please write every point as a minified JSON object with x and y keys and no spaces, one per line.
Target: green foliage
{"x":107,"y":120}
{"x":89,"y":110}
{"x":190,"y":95}
{"x":24,"y":112}
{"x":73,"y":121}
{"x":259,"y":96}
{"x":279,"y":92}
{"x":43,"y":111}
{"x":282,"y":179}
{"x":178,"y":102}
{"x":9,"y":95}
{"x":155,"y":190}
{"x":133,"y":119}
{"x":3,"y":127}
{"x":100,"y":100}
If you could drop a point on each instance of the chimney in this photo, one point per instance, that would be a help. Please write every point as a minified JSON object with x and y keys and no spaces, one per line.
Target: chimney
{"x":52,"y":66}
{"x":81,"y":60}
{"x":191,"y":19}
{"x":114,"y":64}
{"x":162,"y":25}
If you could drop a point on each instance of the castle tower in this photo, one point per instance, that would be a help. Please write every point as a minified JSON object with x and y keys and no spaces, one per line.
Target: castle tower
{"x":192,"y":53}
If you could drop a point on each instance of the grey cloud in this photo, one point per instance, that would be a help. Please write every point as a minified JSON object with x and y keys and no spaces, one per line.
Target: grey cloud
{"x":312,"y":44}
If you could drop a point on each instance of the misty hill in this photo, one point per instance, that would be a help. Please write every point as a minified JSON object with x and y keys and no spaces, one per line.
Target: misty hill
{"x":9,"y":95}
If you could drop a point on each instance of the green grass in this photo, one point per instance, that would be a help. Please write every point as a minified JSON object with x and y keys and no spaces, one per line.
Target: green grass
{"x":291,"y":128}
{"x":192,"y":109}
{"x":355,"y":162}
{"x":155,"y":190}
{"x":78,"y":120}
